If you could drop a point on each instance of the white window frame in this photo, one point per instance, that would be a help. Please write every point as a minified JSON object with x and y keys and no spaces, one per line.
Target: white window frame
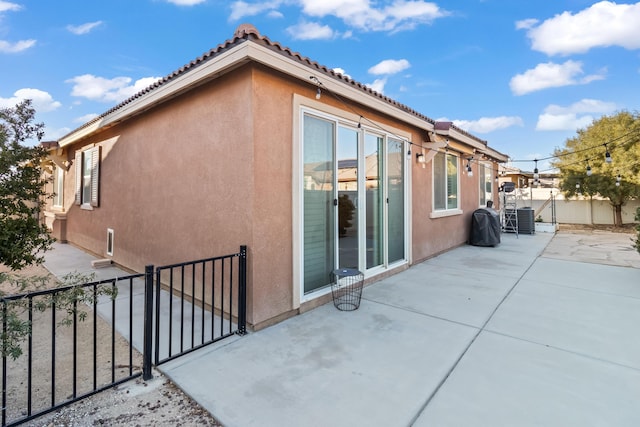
{"x":447,"y":211}
{"x":89,"y":156}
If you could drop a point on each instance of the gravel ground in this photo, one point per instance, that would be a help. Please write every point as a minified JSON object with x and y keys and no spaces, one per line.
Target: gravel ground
{"x":157,"y":402}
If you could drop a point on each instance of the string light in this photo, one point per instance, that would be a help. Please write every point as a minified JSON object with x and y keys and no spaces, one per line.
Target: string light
{"x":618,"y":179}
{"x":607,"y":155}
{"x":536,"y":173}
{"x":318,"y":94}
{"x":589,"y":171}
{"x":469,"y":170}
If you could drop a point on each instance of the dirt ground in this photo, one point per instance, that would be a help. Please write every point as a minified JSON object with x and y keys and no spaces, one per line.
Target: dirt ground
{"x":157,"y":402}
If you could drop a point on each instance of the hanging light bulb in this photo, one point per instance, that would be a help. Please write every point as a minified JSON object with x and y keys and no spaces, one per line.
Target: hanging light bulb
{"x":469,"y":170}
{"x":318,"y":94}
{"x":618,"y":179}
{"x":607,"y":156}
{"x":589,"y":171}
{"x":536,"y":174}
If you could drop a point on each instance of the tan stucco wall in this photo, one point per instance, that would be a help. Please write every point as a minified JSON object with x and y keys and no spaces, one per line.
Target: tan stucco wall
{"x":211,"y":170}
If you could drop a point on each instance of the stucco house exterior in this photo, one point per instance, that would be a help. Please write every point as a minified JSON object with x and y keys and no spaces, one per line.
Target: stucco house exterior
{"x":253,"y":144}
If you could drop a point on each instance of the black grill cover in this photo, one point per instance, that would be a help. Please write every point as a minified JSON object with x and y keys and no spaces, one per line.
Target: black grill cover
{"x":485,"y":227}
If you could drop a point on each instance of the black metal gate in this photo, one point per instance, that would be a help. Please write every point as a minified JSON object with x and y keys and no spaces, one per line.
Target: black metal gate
{"x":148,"y":319}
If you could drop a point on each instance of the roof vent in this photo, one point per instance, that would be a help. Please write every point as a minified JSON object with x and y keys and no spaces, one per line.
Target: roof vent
{"x":245,"y":29}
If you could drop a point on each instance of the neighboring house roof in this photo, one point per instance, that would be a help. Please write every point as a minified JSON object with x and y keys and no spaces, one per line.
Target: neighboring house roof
{"x":235,"y":52}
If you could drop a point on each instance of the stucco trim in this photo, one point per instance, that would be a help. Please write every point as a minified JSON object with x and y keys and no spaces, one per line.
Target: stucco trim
{"x":444,"y":214}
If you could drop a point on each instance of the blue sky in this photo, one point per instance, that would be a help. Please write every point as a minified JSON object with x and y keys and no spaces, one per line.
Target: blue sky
{"x":523,"y":75}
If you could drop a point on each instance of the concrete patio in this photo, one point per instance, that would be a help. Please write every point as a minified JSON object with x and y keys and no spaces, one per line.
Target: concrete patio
{"x":539,"y":330}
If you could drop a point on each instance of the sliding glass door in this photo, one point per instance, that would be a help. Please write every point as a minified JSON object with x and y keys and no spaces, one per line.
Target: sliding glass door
{"x":353,"y":200}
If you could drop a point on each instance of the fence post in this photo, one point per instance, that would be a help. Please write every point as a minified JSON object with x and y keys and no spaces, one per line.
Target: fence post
{"x":242,"y":291}
{"x":148,"y":322}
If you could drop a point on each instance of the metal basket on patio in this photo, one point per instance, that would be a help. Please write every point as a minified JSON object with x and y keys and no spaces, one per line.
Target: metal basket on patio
{"x":346,"y":288}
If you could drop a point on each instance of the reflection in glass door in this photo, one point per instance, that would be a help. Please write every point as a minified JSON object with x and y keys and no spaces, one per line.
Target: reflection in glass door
{"x":347,"y":160}
{"x":395,"y":197}
{"x":318,"y":199}
{"x":374,"y":199}
{"x":353,"y":200}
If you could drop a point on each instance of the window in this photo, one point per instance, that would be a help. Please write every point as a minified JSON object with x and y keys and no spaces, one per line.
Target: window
{"x":87,"y":175}
{"x":58,"y":187}
{"x":486,"y":184}
{"x":445,"y":182}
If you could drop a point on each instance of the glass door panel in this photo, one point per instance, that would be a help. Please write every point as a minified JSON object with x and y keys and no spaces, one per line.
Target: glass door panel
{"x":395,"y":206}
{"x":374,"y":199}
{"x":347,"y":160}
{"x":318,"y":195}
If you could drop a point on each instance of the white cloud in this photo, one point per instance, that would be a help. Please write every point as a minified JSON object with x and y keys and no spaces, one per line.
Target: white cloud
{"x":601,"y":25}
{"x":186,"y":2}
{"x":84,"y":28}
{"x":389,"y":66}
{"x":341,"y":71}
{"x":526,"y":24}
{"x":549,"y":75}
{"x":576,"y":116}
{"x":378,"y":85}
{"x":6,"y":6}
{"x":397,"y":16}
{"x":42,"y":101}
{"x":241,"y":9}
{"x":19,"y":46}
{"x":311,"y":31}
{"x":275,"y":14}
{"x":55,"y":134}
{"x":400,"y":15}
{"x":108,"y":90}
{"x":86,"y":118}
{"x":489,"y":124}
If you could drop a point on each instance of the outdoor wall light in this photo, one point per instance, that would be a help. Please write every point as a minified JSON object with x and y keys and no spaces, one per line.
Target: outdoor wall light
{"x":420,"y":158}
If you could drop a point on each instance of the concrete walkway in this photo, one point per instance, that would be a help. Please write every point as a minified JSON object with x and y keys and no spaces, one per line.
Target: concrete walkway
{"x":504,"y":336}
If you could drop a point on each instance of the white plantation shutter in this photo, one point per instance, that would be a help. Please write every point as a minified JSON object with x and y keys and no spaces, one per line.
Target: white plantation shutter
{"x":95,"y":174}
{"x":78,"y":171}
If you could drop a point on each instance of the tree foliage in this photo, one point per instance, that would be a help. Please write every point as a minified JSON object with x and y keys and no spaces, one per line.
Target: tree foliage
{"x":23,"y":237}
{"x":617,"y":181}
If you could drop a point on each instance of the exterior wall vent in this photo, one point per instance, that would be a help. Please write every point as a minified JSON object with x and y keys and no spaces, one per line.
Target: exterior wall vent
{"x":109,"y":241}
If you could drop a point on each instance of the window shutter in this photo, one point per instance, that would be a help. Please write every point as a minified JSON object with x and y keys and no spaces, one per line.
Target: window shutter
{"x":78,"y":171}
{"x":95,"y":175}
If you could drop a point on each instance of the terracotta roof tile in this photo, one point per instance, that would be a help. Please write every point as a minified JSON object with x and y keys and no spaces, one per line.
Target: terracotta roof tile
{"x":245,"y":33}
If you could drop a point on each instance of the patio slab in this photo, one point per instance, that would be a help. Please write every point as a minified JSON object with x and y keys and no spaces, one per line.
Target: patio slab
{"x":540,"y":330}
{"x":504,"y":381}
{"x":372,"y":366}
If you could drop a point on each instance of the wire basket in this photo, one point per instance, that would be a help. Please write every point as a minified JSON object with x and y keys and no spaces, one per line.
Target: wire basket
{"x":346,"y":288}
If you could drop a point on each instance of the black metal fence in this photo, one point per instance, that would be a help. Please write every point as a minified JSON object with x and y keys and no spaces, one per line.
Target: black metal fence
{"x":87,"y":338}
{"x":209,"y":294}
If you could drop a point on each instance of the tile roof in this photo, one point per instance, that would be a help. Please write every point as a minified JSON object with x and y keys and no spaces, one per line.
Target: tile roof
{"x":247,"y":32}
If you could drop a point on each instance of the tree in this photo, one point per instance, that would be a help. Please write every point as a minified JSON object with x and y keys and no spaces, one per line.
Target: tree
{"x":23,"y":237}
{"x":618,"y":181}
